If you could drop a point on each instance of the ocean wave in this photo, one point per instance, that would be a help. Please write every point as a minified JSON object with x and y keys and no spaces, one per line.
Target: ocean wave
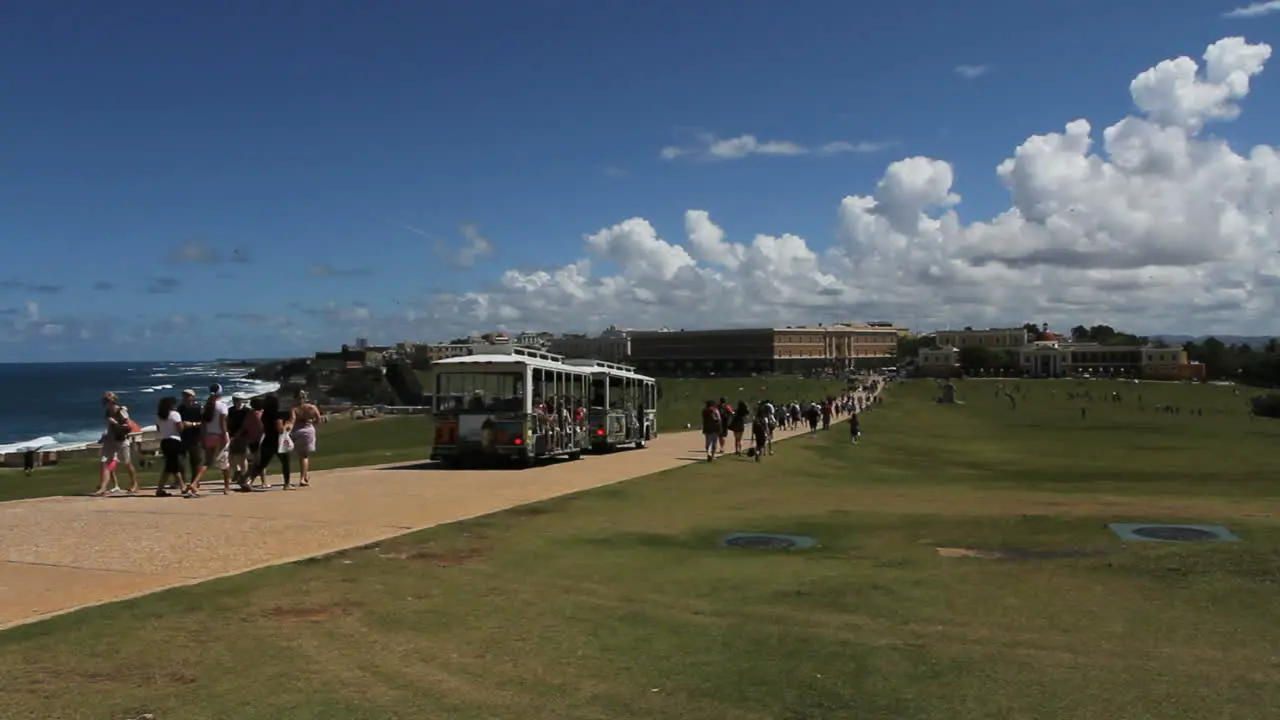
{"x":54,"y":442}
{"x":155,"y":388}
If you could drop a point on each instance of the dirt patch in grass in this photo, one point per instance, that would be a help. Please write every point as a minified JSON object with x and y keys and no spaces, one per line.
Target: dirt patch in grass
{"x":1016,"y":553}
{"x":311,"y":613}
{"x":448,"y":558}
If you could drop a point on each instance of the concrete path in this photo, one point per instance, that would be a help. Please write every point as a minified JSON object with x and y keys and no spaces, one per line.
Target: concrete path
{"x":62,"y":554}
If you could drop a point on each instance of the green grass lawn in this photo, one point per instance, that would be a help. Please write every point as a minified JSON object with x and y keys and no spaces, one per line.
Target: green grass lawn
{"x":341,"y":443}
{"x":618,"y":602}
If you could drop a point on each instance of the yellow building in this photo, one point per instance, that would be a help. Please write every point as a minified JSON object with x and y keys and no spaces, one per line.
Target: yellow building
{"x":797,"y":349}
{"x":1062,"y":359}
{"x":840,"y":346}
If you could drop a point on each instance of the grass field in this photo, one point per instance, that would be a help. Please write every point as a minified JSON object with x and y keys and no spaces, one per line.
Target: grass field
{"x":618,"y":603}
{"x":342,"y":443}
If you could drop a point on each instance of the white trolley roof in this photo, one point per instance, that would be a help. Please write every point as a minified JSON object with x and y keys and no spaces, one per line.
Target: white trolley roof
{"x":508,"y":355}
{"x":600,"y":367}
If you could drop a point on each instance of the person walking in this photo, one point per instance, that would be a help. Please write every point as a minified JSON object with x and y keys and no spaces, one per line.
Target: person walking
{"x":305,"y":417}
{"x":192,"y":423}
{"x":276,"y":442}
{"x":726,"y":414}
{"x":738,"y":425}
{"x":214,"y":439}
{"x":760,"y":433}
{"x":115,"y":445}
{"x":169,"y":426}
{"x":855,"y":429}
{"x":711,"y":427}
{"x":238,"y":448}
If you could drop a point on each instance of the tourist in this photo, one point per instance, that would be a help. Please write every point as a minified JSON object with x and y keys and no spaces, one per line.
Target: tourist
{"x":214,"y":439}
{"x":855,"y":431}
{"x":169,"y":427}
{"x":115,"y":444}
{"x":276,"y":442}
{"x":760,"y":433}
{"x":238,"y":448}
{"x":192,"y":422}
{"x":253,"y":432}
{"x":711,"y":427}
{"x":812,"y":414}
{"x":29,"y":461}
{"x":738,"y":425}
{"x":304,"y":420}
{"x":726,"y":415}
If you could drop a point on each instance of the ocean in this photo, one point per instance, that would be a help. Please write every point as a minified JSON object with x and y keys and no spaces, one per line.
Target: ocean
{"x":58,"y":403}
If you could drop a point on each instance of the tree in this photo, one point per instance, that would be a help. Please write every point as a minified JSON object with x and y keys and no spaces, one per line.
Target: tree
{"x":909,"y":347}
{"x":1033,"y":331}
{"x":975,"y":358}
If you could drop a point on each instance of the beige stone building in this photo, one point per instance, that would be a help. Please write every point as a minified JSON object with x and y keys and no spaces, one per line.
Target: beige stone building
{"x":795,"y":349}
{"x":993,"y":338}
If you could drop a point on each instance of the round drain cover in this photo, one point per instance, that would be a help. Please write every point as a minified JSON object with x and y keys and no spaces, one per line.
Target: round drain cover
{"x":761,"y":542}
{"x":1174,"y":533}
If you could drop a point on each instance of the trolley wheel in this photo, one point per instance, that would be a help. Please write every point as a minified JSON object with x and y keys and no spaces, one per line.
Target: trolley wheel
{"x":640,"y":444}
{"x":575,"y":455}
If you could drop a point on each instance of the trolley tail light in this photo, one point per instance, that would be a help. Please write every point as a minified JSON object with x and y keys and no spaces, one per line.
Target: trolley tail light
{"x":518,"y":441}
{"x":600,"y":432}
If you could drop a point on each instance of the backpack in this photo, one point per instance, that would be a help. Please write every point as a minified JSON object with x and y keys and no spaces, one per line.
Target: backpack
{"x":120,"y":430}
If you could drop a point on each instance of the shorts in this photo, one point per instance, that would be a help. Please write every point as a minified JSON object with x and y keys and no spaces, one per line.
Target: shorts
{"x":238,"y":446}
{"x":117,"y":450}
{"x":216,"y":456}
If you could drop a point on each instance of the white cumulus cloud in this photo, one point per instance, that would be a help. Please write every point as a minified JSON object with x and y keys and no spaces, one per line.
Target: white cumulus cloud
{"x":1150,"y":223}
{"x":1252,"y":10}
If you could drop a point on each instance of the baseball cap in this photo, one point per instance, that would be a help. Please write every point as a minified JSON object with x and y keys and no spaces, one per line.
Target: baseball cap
{"x":239,"y":396}
{"x":216,"y":389}
{"x":189,"y":391}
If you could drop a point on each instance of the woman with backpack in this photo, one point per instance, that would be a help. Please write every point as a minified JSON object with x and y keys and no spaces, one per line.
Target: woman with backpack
{"x":738,"y":425}
{"x":115,"y":444}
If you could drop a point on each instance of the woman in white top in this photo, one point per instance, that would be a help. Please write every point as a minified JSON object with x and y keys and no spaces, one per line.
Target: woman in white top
{"x":169,"y":427}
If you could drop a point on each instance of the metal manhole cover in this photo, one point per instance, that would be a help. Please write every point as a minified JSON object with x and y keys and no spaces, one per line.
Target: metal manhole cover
{"x":1176,"y":534}
{"x":1173,"y":533}
{"x":768,"y":541}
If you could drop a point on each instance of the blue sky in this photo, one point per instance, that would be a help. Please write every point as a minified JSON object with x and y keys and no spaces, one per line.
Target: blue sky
{"x":363,"y":137}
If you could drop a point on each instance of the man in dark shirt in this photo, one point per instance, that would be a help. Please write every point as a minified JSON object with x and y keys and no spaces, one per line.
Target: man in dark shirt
{"x":191,"y":412}
{"x":239,"y":448}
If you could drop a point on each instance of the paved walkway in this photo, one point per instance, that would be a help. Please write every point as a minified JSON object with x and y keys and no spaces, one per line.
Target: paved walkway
{"x":61,"y":554}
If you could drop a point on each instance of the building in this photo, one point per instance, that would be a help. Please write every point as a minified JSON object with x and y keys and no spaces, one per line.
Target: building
{"x":349,"y":357}
{"x":1062,"y":359}
{"x":994,"y":338}
{"x":535,"y":340}
{"x":938,"y":362}
{"x":612,"y":345}
{"x":796,"y":349}
{"x":444,"y":351}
